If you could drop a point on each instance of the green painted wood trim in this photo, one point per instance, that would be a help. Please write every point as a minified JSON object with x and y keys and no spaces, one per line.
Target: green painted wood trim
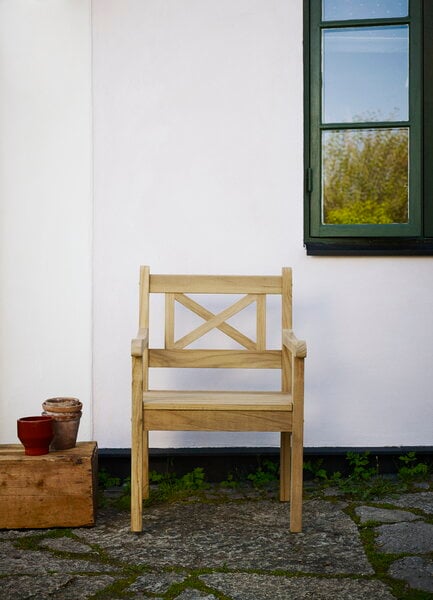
{"x":428,"y":118}
{"x":313,"y":227}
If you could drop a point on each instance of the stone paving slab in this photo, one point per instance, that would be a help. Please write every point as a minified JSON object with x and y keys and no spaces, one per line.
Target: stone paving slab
{"x":66,"y":544}
{"x":55,"y":587}
{"x":240,"y":549}
{"x":195,"y":595}
{"x":269,"y":587}
{"x":383,"y":515}
{"x":157,"y":583}
{"x":420,"y":500}
{"x":197,"y":535}
{"x":34,"y":562}
{"x":415,"y":570}
{"x":415,"y":538}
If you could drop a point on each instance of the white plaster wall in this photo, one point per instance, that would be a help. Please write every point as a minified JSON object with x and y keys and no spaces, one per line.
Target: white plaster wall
{"x":369,"y":323}
{"x":197,"y":139}
{"x":46,"y":208}
{"x":197,"y":108}
{"x":198,"y":168}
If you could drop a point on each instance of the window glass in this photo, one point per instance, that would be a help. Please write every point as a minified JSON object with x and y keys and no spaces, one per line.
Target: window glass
{"x":342,"y":10}
{"x":365,"y":176}
{"x":365,"y":74}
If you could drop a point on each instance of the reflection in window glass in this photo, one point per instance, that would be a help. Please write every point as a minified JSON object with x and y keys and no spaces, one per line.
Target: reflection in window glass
{"x":365,"y":74}
{"x":342,"y":10}
{"x":365,"y":176}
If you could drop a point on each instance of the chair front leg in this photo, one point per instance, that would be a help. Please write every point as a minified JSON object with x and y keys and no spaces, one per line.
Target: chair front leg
{"x":296,"y":483}
{"x":145,"y":463}
{"x":296,"y":486}
{"x":137,"y":457}
{"x":285,"y":466}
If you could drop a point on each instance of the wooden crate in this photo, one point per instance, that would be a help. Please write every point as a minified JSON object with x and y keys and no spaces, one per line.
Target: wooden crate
{"x":53,"y":490}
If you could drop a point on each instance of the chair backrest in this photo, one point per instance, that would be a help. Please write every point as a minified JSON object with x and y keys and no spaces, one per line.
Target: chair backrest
{"x":253,"y":290}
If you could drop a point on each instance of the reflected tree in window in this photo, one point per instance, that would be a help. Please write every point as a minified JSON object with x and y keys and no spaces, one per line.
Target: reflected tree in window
{"x":365,"y":176}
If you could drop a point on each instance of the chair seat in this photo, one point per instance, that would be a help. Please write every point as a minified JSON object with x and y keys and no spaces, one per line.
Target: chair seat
{"x":205,"y":401}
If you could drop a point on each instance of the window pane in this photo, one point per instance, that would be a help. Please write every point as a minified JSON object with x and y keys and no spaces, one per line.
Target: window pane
{"x":365,"y":176}
{"x":365,"y":74}
{"x":341,"y":10}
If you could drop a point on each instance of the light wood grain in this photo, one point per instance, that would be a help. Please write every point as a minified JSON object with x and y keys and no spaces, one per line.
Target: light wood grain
{"x":261,"y":322}
{"x":297,"y":446}
{"x":286,"y":298}
{"x":52,"y":490}
{"x":140,"y":343}
{"x":143,"y":319}
{"x":215,"y":359}
{"x":215,"y":284}
{"x":209,"y":410}
{"x":169,"y":320}
{"x":208,"y":400}
{"x":285,"y":465}
{"x":137,"y":448}
{"x":202,"y":312}
{"x":297,"y":347}
{"x":217,"y":420}
{"x":215,"y":321}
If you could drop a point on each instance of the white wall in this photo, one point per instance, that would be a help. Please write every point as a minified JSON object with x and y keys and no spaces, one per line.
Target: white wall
{"x":198,"y":162}
{"x":197,"y":138}
{"x":198,"y":168}
{"x":46,"y":211}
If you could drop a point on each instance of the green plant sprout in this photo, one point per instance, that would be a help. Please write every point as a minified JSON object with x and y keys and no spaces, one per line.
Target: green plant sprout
{"x":412,"y":470}
{"x":264,"y":475}
{"x":363,"y":481}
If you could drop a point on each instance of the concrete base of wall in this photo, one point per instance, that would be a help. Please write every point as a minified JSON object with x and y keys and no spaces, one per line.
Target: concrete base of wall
{"x":218,"y":463}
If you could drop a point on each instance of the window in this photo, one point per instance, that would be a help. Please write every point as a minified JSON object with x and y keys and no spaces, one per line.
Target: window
{"x":368,"y":126}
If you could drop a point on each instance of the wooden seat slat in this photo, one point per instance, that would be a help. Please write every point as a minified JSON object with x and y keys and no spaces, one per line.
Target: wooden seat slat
{"x":216,"y":400}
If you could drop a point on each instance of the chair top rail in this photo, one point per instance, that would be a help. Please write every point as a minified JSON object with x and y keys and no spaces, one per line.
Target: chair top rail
{"x":216,"y":284}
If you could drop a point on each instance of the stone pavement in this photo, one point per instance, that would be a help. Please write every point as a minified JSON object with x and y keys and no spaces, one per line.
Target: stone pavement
{"x":232,"y":545}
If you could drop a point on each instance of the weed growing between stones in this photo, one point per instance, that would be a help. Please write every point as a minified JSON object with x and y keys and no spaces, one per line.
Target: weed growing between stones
{"x":266,"y":474}
{"x":193,"y":582}
{"x":166,"y":487}
{"x":32,"y":541}
{"x":230,"y":483}
{"x":412,"y":470}
{"x":117,"y":589}
{"x":362,"y":481}
{"x":105,"y":480}
{"x":170,"y":488}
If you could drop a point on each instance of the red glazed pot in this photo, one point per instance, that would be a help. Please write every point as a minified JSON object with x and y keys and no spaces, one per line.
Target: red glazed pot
{"x":35,"y":433}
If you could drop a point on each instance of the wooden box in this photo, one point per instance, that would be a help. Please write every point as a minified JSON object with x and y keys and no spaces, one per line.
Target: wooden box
{"x":53,"y":490}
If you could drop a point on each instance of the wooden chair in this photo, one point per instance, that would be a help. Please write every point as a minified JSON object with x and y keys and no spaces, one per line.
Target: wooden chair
{"x":182,"y":410}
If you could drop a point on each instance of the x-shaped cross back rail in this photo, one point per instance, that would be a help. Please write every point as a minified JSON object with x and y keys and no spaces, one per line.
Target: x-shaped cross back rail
{"x":218,"y":321}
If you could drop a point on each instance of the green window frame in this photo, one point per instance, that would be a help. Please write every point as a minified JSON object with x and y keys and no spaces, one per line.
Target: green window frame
{"x":414,"y":234}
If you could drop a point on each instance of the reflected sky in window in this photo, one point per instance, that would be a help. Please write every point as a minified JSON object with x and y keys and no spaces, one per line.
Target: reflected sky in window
{"x":365,"y":74}
{"x":342,"y":10}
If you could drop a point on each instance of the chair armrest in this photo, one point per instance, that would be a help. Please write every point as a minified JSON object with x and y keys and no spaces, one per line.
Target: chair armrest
{"x":140,"y":343}
{"x":297,"y":347}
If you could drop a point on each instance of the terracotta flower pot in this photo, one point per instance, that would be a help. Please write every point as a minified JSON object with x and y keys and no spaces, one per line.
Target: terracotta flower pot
{"x":66,"y":414}
{"x":35,"y":433}
{"x":58,"y":406}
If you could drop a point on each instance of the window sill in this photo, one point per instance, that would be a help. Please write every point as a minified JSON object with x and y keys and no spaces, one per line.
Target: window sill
{"x":369,"y":247}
